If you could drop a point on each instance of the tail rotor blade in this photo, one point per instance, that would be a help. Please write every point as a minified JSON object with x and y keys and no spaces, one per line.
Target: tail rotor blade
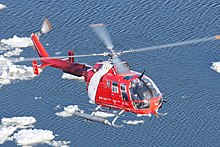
{"x":100,"y":30}
{"x":46,"y":26}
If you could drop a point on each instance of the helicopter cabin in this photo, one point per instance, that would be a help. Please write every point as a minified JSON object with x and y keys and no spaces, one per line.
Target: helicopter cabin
{"x":122,"y":91}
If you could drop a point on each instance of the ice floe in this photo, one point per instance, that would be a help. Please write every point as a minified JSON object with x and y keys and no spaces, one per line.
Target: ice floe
{"x":14,"y":52}
{"x":19,"y":122}
{"x":10,"y":125}
{"x":216,"y":66}
{"x":9,"y":71}
{"x":33,"y":136}
{"x":57,"y":107}
{"x":6,"y":132}
{"x":12,"y":129}
{"x":59,"y":143}
{"x":71,"y":77}
{"x":133,"y":122}
{"x":37,"y":98}
{"x":29,"y":137}
{"x":18,"y":42}
{"x":2,"y":6}
{"x":57,"y":53}
{"x":69,"y":111}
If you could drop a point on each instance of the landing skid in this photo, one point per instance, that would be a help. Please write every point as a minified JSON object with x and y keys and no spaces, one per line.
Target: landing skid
{"x":93,"y":117}
{"x":161,"y":114}
{"x":103,"y":119}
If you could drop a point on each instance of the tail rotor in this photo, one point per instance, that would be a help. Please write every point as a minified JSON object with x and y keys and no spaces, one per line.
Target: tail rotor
{"x":45,"y":28}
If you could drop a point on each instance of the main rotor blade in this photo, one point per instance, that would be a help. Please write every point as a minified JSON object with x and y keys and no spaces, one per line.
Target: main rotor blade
{"x":56,"y":57}
{"x":100,"y":30}
{"x":121,"y":68}
{"x":173,"y":44}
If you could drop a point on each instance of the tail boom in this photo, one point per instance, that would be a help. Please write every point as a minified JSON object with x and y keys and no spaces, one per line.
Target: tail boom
{"x":67,"y":66}
{"x":38,"y":46}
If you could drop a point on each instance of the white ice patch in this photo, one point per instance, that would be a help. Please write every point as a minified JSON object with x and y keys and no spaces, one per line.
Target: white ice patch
{"x":18,"y":42}
{"x":59,"y":143}
{"x":5,"y":132}
{"x":10,"y":125}
{"x":19,"y":122}
{"x":104,"y":114}
{"x":14,"y":52}
{"x":26,"y":137}
{"x":8,"y":70}
{"x":71,"y":77}
{"x":68,"y":111}
{"x":133,"y":122}
{"x":57,"y":107}
{"x":216,"y":66}
{"x":32,"y":137}
{"x":4,"y":47}
{"x":57,"y":53}
{"x":37,"y":98}
{"x":2,"y":6}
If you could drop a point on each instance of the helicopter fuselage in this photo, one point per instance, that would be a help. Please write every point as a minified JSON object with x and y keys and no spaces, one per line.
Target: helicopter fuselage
{"x":125,"y":91}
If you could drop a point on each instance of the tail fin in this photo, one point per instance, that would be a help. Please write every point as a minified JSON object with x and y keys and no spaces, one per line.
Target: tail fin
{"x":38,"y":46}
{"x":71,"y":54}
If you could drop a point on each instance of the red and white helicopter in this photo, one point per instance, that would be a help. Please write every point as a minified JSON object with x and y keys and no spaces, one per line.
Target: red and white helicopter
{"x":111,"y":83}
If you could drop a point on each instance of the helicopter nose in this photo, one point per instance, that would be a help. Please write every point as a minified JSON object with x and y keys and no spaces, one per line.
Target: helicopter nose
{"x":154,"y":112}
{"x":156,"y":104}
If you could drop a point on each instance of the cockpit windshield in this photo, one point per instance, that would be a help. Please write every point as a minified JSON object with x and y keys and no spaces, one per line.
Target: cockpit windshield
{"x":143,"y":89}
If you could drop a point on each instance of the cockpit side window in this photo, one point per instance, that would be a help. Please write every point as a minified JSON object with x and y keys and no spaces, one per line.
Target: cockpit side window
{"x":123,"y":87}
{"x":115,"y":87}
{"x":124,"y":92}
{"x":128,"y":77}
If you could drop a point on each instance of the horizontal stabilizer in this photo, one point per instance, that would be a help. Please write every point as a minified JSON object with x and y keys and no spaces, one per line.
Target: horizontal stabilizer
{"x":35,"y":67}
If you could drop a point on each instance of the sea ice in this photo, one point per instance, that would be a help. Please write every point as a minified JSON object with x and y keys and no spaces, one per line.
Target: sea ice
{"x":18,"y":42}
{"x":2,"y":6}
{"x":216,"y":66}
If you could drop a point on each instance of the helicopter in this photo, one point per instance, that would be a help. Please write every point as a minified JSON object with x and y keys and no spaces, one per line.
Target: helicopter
{"x":111,"y":84}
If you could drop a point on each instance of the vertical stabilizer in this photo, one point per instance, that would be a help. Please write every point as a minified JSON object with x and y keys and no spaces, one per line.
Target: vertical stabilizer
{"x":38,"y":46}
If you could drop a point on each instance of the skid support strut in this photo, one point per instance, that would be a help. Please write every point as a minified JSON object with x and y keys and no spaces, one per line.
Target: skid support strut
{"x":96,"y":109}
{"x":114,"y":120}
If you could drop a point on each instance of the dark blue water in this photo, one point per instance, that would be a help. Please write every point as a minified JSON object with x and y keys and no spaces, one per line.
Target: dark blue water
{"x":182,"y":73}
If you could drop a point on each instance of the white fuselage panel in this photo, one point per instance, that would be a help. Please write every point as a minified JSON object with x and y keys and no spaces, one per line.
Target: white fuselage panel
{"x":94,"y":82}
